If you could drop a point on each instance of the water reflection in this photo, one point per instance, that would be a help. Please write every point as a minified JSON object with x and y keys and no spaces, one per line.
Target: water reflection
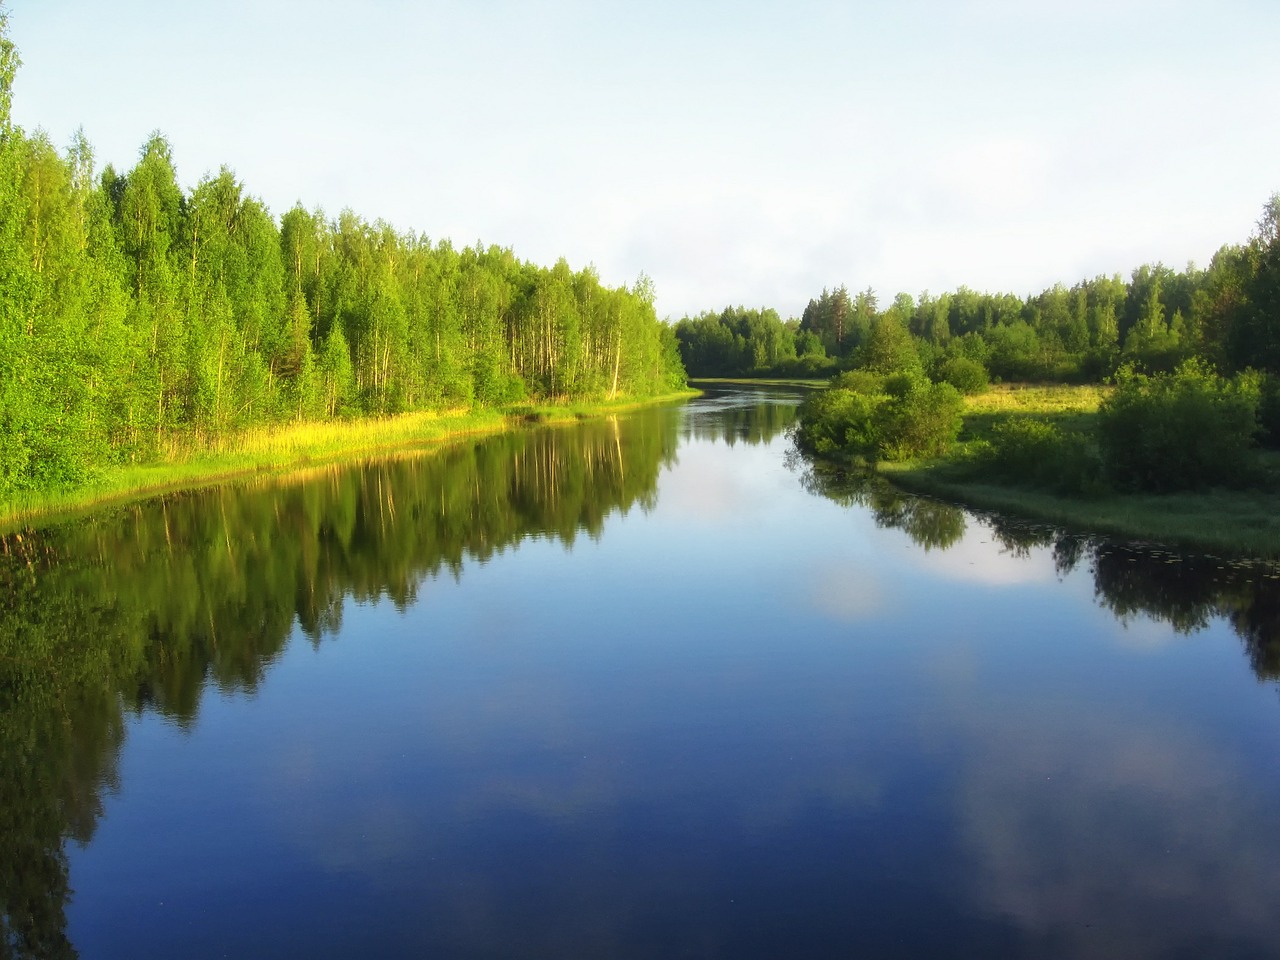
{"x":1185,"y":590}
{"x":738,"y":729}
{"x":147,"y":607}
{"x":742,"y":415}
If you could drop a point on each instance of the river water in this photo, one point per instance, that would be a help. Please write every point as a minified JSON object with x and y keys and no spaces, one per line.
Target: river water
{"x":640,"y":687}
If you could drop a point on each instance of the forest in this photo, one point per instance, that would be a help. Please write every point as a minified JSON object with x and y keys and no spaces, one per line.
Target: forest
{"x":1167,"y":382}
{"x":1227,"y":314}
{"x":139,"y":318}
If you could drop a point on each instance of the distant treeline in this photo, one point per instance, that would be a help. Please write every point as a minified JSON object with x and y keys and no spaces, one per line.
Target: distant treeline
{"x":1227,"y":314}
{"x":135,"y":316}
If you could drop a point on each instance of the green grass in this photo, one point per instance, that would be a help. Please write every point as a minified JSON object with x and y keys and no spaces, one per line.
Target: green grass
{"x":1066,"y":407}
{"x":291,"y":447}
{"x":1245,"y":520}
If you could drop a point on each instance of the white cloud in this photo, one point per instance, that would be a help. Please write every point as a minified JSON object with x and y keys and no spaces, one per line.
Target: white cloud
{"x":747,"y":154}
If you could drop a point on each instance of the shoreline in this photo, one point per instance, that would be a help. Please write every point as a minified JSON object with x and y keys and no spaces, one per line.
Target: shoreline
{"x":1235,"y":522}
{"x":1242,"y":521}
{"x":280,"y":450}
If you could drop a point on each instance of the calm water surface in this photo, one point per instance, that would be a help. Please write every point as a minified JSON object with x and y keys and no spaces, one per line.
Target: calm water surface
{"x":635,"y":688}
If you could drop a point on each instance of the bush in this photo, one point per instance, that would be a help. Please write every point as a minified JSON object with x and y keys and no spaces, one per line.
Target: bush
{"x":1269,"y":412}
{"x":1036,"y":453}
{"x":898,"y":385}
{"x":859,"y":381}
{"x":922,"y":421}
{"x":966,"y":375}
{"x":910,"y":418}
{"x":838,"y":422}
{"x":1186,"y":430}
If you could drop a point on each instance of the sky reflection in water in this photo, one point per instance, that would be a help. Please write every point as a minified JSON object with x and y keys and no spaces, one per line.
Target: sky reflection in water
{"x":741,"y":715}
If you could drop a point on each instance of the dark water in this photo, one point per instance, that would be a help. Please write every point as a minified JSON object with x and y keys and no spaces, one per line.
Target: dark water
{"x":636,"y":688}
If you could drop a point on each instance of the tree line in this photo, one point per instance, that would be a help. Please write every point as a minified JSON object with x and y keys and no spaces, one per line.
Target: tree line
{"x":138,"y":315}
{"x":1226,"y":314}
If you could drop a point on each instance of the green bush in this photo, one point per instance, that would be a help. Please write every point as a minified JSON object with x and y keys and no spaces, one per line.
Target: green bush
{"x":1032,"y":452}
{"x":1269,"y":412}
{"x":839,"y":422}
{"x":911,"y":418}
{"x":1186,"y":430}
{"x":966,"y":375}
{"x":898,"y":385}
{"x":859,"y":381}
{"x":922,"y":421}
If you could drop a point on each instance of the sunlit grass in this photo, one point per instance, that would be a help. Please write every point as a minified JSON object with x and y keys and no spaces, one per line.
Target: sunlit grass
{"x":1245,"y":520}
{"x":190,"y":462}
{"x":1037,"y":400}
{"x":1068,"y":407}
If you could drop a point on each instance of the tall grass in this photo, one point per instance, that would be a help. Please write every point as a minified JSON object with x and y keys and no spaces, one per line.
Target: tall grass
{"x":185,"y":462}
{"x":188,"y":461}
{"x":1037,"y":400}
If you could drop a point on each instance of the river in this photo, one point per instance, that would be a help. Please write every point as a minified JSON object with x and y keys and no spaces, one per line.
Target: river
{"x":648,"y":686}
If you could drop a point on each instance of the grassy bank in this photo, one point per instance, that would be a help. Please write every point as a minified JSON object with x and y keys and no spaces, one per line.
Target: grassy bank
{"x":290,"y":447}
{"x":1244,"y":520}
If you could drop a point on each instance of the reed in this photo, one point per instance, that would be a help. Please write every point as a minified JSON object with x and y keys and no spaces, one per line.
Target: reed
{"x":191,"y":461}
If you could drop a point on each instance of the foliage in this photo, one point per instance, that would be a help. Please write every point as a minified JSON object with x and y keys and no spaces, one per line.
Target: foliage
{"x":1269,"y":411}
{"x":889,"y":348}
{"x":1034,"y":452}
{"x":739,"y":342}
{"x":859,"y":381}
{"x":910,"y":417}
{"x":1186,"y":430}
{"x":138,"y":316}
{"x":840,"y":323}
{"x":920,"y":419}
{"x":966,"y":375}
{"x":840,"y":422}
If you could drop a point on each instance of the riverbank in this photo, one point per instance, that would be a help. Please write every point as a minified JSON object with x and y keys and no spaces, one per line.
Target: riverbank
{"x":813,"y":384}
{"x":280,"y":449}
{"x":1220,"y":521}
{"x":1243,"y":520}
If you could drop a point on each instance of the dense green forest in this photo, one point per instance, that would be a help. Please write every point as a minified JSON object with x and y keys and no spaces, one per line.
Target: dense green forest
{"x":1227,"y":314}
{"x":1191,"y":361}
{"x":138,"y":317}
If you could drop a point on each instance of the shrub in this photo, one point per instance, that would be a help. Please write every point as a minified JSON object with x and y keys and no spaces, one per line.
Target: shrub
{"x":1269,"y":412}
{"x":923,"y":421}
{"x":1034,"y":452}
{"x":1185,"y":430}
{"x":910,"y":418}
{"x":859,"y":381}
{"x":838,"y":421}
{"x":966,"y":375}
{"x":898,"y":385}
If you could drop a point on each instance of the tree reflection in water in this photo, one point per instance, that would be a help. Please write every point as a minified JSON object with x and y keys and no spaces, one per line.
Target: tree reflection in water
{"x":143,"y":608}
{"x":1184,"y":590}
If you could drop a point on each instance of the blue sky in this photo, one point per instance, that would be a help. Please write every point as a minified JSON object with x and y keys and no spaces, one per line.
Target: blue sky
{"x":747,"y":152}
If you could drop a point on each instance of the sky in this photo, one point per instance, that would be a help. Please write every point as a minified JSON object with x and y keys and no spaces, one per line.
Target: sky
{"x":749,"y":153}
